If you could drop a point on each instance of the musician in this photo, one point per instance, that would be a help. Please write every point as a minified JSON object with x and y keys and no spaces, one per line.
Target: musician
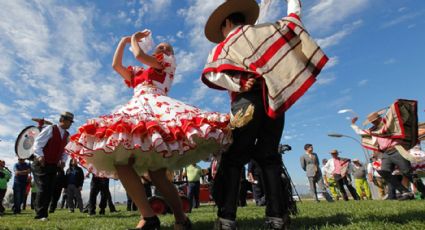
{"x":339,"y":168}
{"x":49,"y":155}
{"x":5,"y":175}
{"x":22,"y":169}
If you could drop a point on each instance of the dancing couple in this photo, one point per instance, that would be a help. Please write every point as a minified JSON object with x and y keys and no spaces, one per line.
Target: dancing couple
{"x":265,"y":74}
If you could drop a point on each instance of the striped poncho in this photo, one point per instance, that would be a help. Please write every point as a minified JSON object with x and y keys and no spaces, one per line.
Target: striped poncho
{"x":281,"y":53}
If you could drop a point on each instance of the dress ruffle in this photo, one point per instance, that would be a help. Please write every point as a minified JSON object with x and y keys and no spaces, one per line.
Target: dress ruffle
{"x":158,"y":131}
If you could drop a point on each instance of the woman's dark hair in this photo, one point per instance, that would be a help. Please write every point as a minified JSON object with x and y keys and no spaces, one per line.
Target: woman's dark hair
{"x":235,"y":18}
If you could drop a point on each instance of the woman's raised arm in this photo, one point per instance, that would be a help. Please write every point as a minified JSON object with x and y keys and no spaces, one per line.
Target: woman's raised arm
{"x":117,"y":60}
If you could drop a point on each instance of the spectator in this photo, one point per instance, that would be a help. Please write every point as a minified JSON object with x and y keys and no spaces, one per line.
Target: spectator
{"x":22,"y":170}
{"x":359,"y":173}
{"x":59,"y":186}
{"x":339,"y":167}
{"x":193,"y":173}
{"x":310,"y":164}
{"x":75,"y":180}
{"x":34,"y":191}
{"x":255,"y":177}
{"x":330,"y":181}
{"x":5,"y":176}
{"x":99,"y":185}
{"x":374,"y":176}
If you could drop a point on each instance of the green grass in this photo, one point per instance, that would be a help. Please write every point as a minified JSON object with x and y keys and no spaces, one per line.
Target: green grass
{"x":338,"y":215}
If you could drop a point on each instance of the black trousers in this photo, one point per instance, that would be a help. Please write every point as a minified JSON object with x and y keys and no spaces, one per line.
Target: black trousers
{"x":2,"y":193}
{"x":193,"y":194}
{"x":106,"y":198}
{"x":258,"y":189}
{"x":55,"y":197}
{"x":45,"y":179}
{"x":97,"y":186}
{"x":389,"y":161}
{"x":258,"y":140}
{"x":33,"y":196}
{"x":340,"y":182}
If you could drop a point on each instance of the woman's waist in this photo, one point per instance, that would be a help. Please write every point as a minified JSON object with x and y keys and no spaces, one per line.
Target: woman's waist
{"x":146,"y":87}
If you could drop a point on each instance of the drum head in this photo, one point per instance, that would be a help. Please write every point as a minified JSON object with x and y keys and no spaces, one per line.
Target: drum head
{"x":25,"y":141}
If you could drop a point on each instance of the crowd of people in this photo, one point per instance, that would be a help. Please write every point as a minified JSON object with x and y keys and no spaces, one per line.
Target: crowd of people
{"x":144,"y":140}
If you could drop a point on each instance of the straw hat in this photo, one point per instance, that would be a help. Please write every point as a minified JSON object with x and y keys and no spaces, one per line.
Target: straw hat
{"x":334,"y":151}
{"x":249,"y":8}
{"x":356,"y":160}
{"x":67,"y":115}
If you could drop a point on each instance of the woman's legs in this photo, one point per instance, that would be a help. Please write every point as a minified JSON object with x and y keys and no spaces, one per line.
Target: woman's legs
{"x":134,"y":187}
{"x":169,"y":192}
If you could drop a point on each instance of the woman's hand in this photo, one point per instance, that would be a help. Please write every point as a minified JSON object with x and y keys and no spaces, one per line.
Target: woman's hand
{"x":141,"y":34}
{"x":126,"y":39}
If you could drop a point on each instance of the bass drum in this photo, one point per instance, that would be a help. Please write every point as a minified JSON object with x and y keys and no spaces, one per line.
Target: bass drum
{"x":25,"y":142}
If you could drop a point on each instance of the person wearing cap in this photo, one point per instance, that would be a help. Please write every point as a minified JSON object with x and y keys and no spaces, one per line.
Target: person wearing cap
{"x":265,"y":75}
{"x":390,"y":156}
{"x":340,"y":168}
{"x":5,"y":175}
{"x":310,"y":164}
{"x":359,"y":173}
{"x":49,"y":151}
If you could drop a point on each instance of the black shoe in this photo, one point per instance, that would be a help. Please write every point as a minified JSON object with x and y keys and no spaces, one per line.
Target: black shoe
{"x":85,"y":211}
{"x":111,"y":211}
{"x":225,"y":224}
{"x":151,"y":223}
{"x":406,"y":196}
{"x":92,"y":213}
{"x":102,"y":212}
{"x":275,"y":223}
{"x":186,"y":225}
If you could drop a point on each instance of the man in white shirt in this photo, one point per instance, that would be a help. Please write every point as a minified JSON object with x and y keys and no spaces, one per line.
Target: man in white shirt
{"x":374,"y":177}
{"x":49,"y":151}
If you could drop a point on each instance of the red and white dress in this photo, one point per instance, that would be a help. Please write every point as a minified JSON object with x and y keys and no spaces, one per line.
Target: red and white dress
{"x":158,"y":131}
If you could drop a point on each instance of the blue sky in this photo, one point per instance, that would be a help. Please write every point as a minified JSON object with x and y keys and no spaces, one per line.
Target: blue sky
{"x":56,"y":56}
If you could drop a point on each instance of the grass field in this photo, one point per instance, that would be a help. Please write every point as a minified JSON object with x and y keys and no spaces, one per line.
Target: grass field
{"x":338,"y":215}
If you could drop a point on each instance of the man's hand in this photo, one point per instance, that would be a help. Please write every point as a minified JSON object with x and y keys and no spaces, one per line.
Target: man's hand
{"x":353,"y":121}
{"x":40,"y":159}
{"x":248,"y":85}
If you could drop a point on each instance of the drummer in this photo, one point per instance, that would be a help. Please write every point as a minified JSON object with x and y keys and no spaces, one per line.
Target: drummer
{"x":49,"y":155}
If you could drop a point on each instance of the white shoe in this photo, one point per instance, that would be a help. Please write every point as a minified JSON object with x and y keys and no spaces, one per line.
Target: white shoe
{"x":43,"y":219}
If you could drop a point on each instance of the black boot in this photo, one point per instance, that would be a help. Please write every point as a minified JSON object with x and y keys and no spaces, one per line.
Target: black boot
{"x":151,"y":223}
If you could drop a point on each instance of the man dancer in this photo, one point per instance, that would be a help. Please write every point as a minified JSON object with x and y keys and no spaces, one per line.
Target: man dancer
{"x":265,"y":75}
{"x":383,"y":142}
{"x":310,"y":164}
{"x":49,"y":151}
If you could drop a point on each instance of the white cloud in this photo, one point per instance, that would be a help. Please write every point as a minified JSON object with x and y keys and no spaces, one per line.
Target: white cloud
{"x":93,"y":107}
{"x":390,"y":61}
{"x":333,"y":61}
{"x":326,"y":79}
{"x":4,"y":109}
{"x":327,"y":13}
{"x":404,"y":18}
{"x":336,"y":38}
{"x":362,"y":82}
{"x":180,"y":34}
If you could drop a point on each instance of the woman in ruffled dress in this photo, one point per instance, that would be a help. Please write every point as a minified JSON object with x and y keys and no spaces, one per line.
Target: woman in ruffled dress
{"x":150,"y":134}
